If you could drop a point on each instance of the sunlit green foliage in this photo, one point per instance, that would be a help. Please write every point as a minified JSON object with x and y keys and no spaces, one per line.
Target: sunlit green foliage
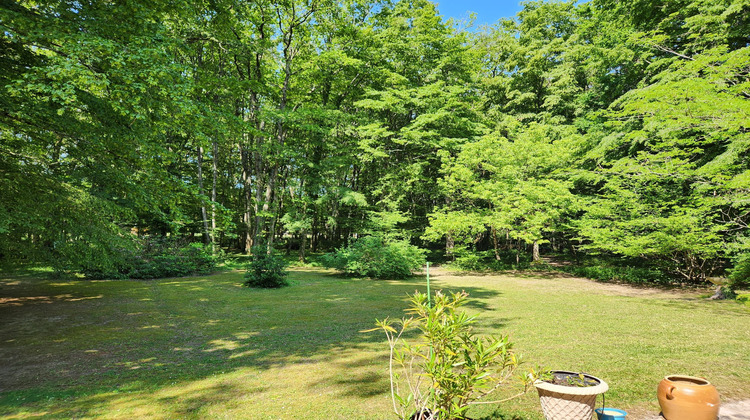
{"x":644,"y":117}
{"x":672,"y":167}
{"x":462,"y":367}
{"x":514,"y":193}
{"x":601,"y":127}
{"x":89,"y":131}
{"x":374,"y":256}
{"x":266,"y":270}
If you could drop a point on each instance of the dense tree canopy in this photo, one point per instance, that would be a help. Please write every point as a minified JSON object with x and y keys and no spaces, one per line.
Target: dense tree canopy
{"x":612,"y":128}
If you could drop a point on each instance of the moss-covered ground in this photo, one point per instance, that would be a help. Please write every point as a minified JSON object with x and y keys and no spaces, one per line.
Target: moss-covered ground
{"x":205,"y":347}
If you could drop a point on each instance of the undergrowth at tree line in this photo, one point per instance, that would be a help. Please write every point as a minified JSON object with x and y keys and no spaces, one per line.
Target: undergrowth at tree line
{"x":155,"y":257}
{"x":376,"y":257}
{"x":591,"y":128}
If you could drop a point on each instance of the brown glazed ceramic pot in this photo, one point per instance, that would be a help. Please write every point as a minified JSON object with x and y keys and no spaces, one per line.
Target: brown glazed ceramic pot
{"x":688,"y":398}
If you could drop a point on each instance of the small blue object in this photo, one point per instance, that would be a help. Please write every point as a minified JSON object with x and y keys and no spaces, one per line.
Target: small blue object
{"x":607,"y":413}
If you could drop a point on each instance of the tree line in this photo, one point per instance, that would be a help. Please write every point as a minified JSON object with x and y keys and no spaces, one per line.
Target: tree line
{"x":618,"y":129}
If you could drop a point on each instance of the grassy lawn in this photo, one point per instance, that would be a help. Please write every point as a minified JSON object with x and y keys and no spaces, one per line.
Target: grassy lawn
{"x":204,"y":347}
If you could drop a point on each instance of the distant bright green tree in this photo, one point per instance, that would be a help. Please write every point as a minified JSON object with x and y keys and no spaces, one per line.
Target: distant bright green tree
{"x":674,"y":169}
{"x":417,"y":104}
{"x":508,"y":186}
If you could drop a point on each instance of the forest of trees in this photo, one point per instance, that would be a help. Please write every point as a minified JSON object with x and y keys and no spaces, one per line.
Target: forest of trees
{"x":599,"y":128}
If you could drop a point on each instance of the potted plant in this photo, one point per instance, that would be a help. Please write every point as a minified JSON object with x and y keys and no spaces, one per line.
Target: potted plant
{"x":446,"y":369}
{"x":566,"y":395}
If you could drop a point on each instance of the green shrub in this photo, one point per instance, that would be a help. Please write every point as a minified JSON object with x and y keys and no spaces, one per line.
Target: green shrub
{"x":486,"y":260}
{"x":157,"y":257}
{"x":634,"y":275}
{"x":266,"y":270}
{"x":373,"y":256}
{"x":739,"y":276}
{"x":460,"y":366}
{"x":470,"y":261}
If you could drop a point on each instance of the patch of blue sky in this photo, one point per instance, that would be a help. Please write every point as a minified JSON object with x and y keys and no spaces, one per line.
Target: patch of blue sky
{"x":487,"y":12}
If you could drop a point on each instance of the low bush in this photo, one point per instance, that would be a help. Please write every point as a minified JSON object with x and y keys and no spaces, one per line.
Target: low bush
{"x":739,"y":276}
{"x":488,"y":261}
{"x":373,"y":256}
{"x":157,"y":258}
{"x":460,"y":366}
{"x":266,"y":270}
{"x":470,"y":261}
{"x":634,"y":275}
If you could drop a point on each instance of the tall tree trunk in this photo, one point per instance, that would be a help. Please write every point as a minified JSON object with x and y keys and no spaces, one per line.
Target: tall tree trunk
{"x":258,"y":164}
{"x":494,"y":244}
{"x":248,"y":196}
{"x":268,"y":200}
{"x":204,"y":216}
{"x":270,"y":196}
{"x":260,"y":169}
{"x":535,"y":252}
{"x":215,"y":173}
{"x":314,"y":235}
{"x":449,"y":247}
{"x":302,"y":245}
{"x":278,"y":199}
{"x":255,"y":73}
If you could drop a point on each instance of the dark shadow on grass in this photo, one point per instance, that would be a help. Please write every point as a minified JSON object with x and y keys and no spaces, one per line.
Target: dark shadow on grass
{"x":192,"y":402}
{"x":105,"y":336}
{"x":366,"y":377}
{"x":359,"y":384}
{"x":499,"y":415}
{"x":477,"y":298}
{"x":494,"y":324}
{"x":467,"y":273}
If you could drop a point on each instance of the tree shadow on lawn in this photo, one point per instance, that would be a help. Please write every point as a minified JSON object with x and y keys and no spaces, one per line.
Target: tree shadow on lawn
{"x":107,"y":336}
{"x":368,"y":377}
{"x":499,"y":415}
{"x":358,"y":383}
{"x":180,"y":402}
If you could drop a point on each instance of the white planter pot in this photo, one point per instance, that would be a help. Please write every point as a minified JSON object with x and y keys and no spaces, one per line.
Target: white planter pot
{"x":561,"y":402}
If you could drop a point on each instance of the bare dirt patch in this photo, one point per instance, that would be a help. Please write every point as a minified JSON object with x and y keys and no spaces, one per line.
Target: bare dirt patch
{"x":730,"y":410}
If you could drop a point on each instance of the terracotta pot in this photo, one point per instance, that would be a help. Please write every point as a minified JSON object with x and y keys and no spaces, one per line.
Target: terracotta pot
{"x":688,"y":398}
{"x":560,"y":402}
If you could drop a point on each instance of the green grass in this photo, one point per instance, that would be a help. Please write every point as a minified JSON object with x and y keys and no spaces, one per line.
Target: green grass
{"x":204,"y":347}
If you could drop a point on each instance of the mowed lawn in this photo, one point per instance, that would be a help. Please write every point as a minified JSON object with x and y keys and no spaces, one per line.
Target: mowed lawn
{"x":204,"y":347}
